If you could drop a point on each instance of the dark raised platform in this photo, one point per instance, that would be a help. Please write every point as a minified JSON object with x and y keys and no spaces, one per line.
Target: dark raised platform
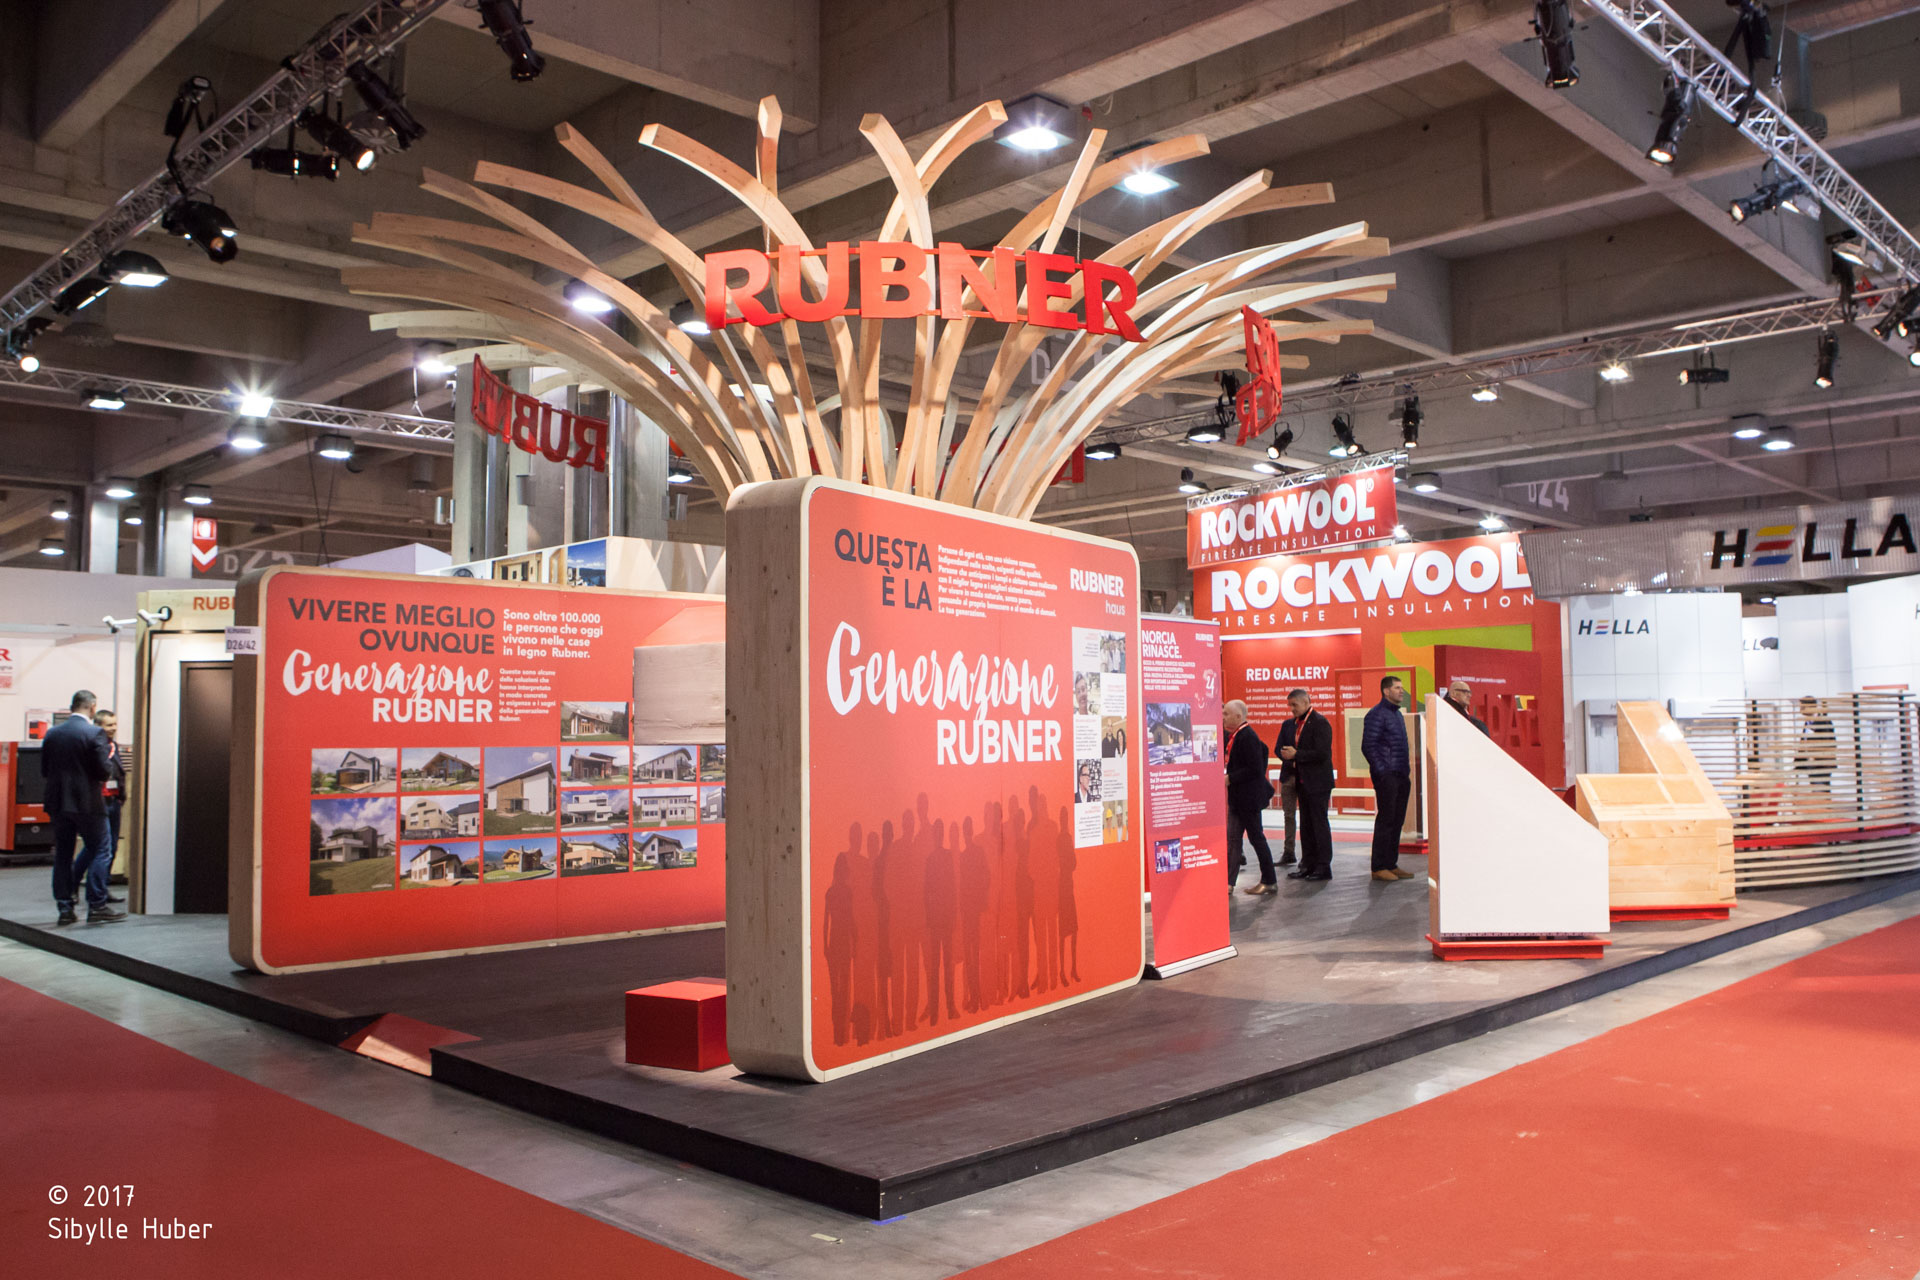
{"x":1332,"y":980}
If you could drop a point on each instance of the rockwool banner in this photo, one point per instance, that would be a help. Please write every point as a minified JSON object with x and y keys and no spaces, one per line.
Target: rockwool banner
{"x":1299,"y":514}
{"x":428,"y":766}
{"x":944,"y":832}
{"x":1186,"y":793}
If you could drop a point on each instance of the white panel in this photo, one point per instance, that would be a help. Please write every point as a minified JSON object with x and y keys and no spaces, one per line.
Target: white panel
{"x":1727,"y":686}
{"x":1720,"y":634}
{"x":1760,"y":642}
{"x":1592,"y":689}
{"x":1884,"y":638}
{"x":1638,"y":687}
{"x":1803,"y":639}
{"x":1514,"y":857}
{"x":1676,"y":634}
{"x":1687,"y":686}
{"x":1636,"y":644}
{"x":1589,"y":638}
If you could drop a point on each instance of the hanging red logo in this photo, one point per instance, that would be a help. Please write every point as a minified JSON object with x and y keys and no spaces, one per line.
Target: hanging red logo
{"x":535,"y":426}
{"x":1258,"y":403}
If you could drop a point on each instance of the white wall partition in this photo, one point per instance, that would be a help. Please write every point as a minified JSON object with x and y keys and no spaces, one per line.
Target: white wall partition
{"x":1684,"y":646}
{"x":1815,"y":655}
{"x":1884,"y":640}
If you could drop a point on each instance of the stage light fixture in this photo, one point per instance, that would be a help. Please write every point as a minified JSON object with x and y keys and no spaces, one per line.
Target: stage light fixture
{"x":1753,"y":30}
{"x":205,"y":224}
{"x":1829,"y":350}
{"x":289,"y":162}
{"x":1346,"y":446}
{"x":135,"y":520}
{"x":1425,"y":481}
{"x":509,"y":28}
{"x":186,"y":103}
{"x":1410,"y":419}
{"x":253,"y":404}
{"x":1675,"y":113}
{"x":197,"y":495}
{"x":1913,"y":356}
{"x":588,"y":300}
{"x":1616,"y":371}
{"x":1748,"y":427}
{"x":1899,"y":317}
{"x":108,"y":400}
{"x":1778,"y":440}
{"x":1204,"y":433}
{"x":1400,"y":533}
{"x":62,"y":509}
{"x":82,"y":294}
{"x":1282,"y":441}
{"x":1036,"y":123}
{"x":336,"y":447}
{"x":1790,"y":192}
{"x":1102,"y":450}
{"x":1553,"y":24}
{"x":433,"y":362}
{"x":246,"y":438}
{"x":1267,"y":467}
{"x":134,"y":269}
{"x":385,"y":103}
{"x":52,"y":547}
{"x":1852,"y":249}
{"x":19,"y":346}
{"x":1703,"y":370}
{"x":1487,"y":393}
{"x":678,"y":472}
{"x":1188,"y":484}
{"x":689,"y":320}
{"x":1492,"y":523}
{"x":1147,"y":182}
{"x":119,"y":488}
{"x":338,"y":140}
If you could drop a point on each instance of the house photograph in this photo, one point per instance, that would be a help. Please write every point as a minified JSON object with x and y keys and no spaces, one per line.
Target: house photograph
{"x":524,"y":859}
{"x":713,"y":804}
{"x":666,"y":807}
{"x":521,"y":794}
{"x":593,"y":721}
{"x":342,"y":771}
{"x":432,"y":817}
{"x":594,"y":765}
{"x":713,"y":763}
{"x":586,"y":809}
{"x":665,"y":764}
{"x":593,"y":855}
{"x":665,"y":849}
{"x":425,"y":866}
{"x":440,"y":768}
{"x":350,"y":845}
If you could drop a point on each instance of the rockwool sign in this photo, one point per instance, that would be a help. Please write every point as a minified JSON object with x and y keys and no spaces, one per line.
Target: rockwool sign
{"x":1309,"y":513}
{"x":1470,"y":581}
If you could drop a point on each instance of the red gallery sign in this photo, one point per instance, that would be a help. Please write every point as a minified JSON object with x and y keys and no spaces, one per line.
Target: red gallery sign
{"x":1307,"y":514}
{"x":535,"y":426}
{"x":898,"y":280}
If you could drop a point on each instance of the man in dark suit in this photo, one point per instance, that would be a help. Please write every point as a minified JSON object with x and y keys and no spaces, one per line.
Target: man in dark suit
{"x":74,"y":760}
{"x":1247,"y":794}
{"x":1384,"y":743}
{"x":1289,"y":788}
{"x":1460,"y":698}
{"x":1312,"y":757}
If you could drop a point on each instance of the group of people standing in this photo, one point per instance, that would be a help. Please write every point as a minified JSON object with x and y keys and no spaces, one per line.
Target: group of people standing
{"x":86,"y":787}
{"x":1305,"y":747}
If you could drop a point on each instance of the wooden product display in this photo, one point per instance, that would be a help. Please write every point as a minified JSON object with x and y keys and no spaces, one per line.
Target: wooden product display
{"x":1669,"y":838}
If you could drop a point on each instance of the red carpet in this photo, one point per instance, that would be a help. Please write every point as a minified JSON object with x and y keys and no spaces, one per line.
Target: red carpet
{"x":290,"y":1191}
{"x":1771,"y":1129}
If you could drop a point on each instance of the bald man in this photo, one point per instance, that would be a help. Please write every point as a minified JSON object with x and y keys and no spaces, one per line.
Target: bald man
{"x":1247,"y":794}
{"x":1460,"y":698}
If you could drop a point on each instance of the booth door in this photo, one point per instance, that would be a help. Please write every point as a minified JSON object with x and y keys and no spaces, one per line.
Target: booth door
{"x":206,"y":736}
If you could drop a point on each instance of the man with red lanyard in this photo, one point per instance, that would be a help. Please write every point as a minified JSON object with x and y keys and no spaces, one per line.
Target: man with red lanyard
{"x":1248,"y":792}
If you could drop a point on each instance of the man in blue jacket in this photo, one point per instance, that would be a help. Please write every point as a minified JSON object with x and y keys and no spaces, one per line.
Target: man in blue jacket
{"x":74,"y":760}
{"x":1384,"y":743}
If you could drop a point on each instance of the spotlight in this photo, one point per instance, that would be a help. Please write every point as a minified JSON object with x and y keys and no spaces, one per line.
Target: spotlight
{"x":1778,"y":440}
{"x":1675,"y":113}
{"x":62,"y":509}
{"x":1829,"y":354}
{"x":82,"y":294}
{"x":1747,"y":427}
{"x":52,"y":547}
{"x":1553,"y":23}
{"x":502,"y":18}
{"x":254,"y":404}
{"x":383,"y":102}
{"x":1492,"y":523}
{"x":1147,"y":182}
{"x":1616,"y":371}
{"x":206,"y":224}
{"x":197,"y":495}
{"x":1487,"y":393}
{"x":1753,"y":30}
{"x":688,"y":319}
{"x":1282,"y":441}
{"x":28,"y":362}
{"x":186,"y":103}
{"x":1204,"y":433}
{"x":135,"y":520}
{"x":1852,"y":249}
{"x":678,"y":472}
{"x":19,"y":344}
{"x":1766,"y":599}
{"x":588,"y":300}
{"x":1188,"y":484}
{"x":432,"y":362}
{"x":1343,"y":432}
{"x":1767,"y":197}
{"x":336,"y":447}
{"x":1036,"y":123}
{"x":1899,"y":316}
{"x":1425,"y":481}
{"x":291,"y":163}
{"x":1267,"y":467}
{"x":1102,"y":450}
{"x":1704,"y":371}
{"x":1400,"y":533}
{"x":109,"y":400}
{"x":1410,"y":420}
{"x":133,"y":268}
{"x":119,"y":488}
{"x":338,"y":140}
{"x":246,"y":438}
{"x":1913,"y":356}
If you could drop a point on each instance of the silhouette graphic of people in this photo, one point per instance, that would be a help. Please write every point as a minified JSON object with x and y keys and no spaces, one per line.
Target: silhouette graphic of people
{"x":886,"y":990}
{"x":838,"y":942}
{"x":1043,"y":862}
{"x":942,"y":894}
{"x":907,"y":922}
{"x":1069,"y":910}
{"x":866,"y":943}
{"x":976,"y":900}
{"x":1020,"y":954}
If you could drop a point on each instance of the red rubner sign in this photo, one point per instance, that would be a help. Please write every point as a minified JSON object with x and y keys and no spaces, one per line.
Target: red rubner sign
{"x":535,"y":426}
{"x":1303,"y":514}
{"x":898,"y":279}
{"x":1258,"y":403}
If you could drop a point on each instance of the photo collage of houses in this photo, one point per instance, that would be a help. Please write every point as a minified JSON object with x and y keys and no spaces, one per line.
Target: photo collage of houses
{"x":596,"y":804}
{"x":1099,"y":737}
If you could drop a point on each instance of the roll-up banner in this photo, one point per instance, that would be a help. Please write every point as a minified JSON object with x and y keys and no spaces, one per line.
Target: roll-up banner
{"x":1186,"y":799}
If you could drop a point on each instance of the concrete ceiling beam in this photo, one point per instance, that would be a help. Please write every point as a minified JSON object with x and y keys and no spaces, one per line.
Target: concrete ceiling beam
{"x":91,"y":52}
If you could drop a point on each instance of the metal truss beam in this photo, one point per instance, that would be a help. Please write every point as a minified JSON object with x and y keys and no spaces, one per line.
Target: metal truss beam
{"x":319,"y":68}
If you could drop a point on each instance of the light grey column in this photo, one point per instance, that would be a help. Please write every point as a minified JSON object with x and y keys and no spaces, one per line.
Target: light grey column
{"x":637,"y":471}
{"x":479,"y":481}
{"x":103,"y":534}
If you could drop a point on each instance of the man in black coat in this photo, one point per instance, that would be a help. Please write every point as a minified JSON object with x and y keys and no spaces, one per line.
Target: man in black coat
{"x":1312,"y":757}
{"x":1247,"y":794}
{"x":1289,"y":789}
{"x":75,"y":761}
{"x":1460,"y":698}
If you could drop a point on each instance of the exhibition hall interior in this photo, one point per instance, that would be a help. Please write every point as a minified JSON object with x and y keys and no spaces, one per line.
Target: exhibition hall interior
{"x":792,"y":638}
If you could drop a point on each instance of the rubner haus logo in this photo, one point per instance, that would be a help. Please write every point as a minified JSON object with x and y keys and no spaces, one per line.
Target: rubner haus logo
{"x":1780,"y":544}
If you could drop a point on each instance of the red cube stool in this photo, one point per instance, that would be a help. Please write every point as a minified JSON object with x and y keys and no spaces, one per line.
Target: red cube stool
{"x":682,"y":1025}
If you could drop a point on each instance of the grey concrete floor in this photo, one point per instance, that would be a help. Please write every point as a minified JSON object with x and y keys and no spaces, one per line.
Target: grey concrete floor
{"x":767,"y":1236}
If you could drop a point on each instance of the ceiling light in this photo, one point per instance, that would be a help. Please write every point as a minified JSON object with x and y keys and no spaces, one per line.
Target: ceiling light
{"x":336,"y":447}
{"x":1102,"y":450}
{"x":1829,"y":354}
{"x":1675,"y":112}
{"x":1913,"y":356}
{"x":197,"y":495}
{"x":678,"y":472}
{"x":688,"y":319}
{"x":1035,"y":137}
{"x":1268,"y":467}
{"x":134,"y":520}
{"x":1749,"y":427}
{"x":433,"y":362}
{"x":1400,"y":533}
{"x":246,"y":438}
{"x":1188,"y":484}
{"x":1616,"y":371}
{"x":1147,"y":182}
{"x":206,"y":225}
{"x":383,"y":102}
{"x":1036,"y":123}
{"x":135,"y":269}
{"x":1425,"y":481}
{"x":1282,"y":441}
{"x":1852,"y":249}
{"x":1343,"y":433}
{"x":1766,"y":599}
{"x":1204,"y":433}
{"x":1410,"y":420}
{"x":52,"y":547}
{"x":1778,"y":440}
{"x":502,"y":18}
{"x":1492,"y":523}
{"x":588,"y":300}
{"x":106,"y":400}
{"x":1487,"y":393}
{"x":1553,"y":24}
{"x":337,"y":140}
{"x":119,"y":488}
{"x":62,"y":509}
